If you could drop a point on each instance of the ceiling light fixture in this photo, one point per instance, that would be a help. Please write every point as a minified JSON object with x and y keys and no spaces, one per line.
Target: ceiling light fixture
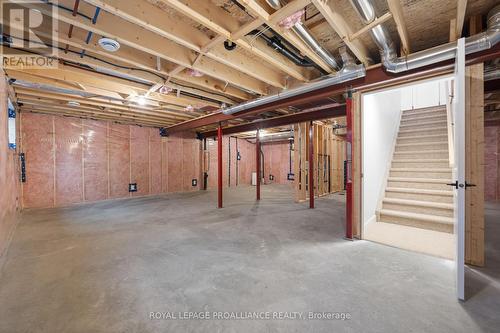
{"x":141,"y":100}
{"x":73,"y":103}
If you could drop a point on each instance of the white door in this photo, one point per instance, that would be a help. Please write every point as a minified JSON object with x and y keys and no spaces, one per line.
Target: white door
{"x":459,"y":166}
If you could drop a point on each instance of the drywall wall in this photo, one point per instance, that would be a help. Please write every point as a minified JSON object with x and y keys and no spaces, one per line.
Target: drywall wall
{"x":9,"y":176}
{"x":425,"y":94}
{"x":277,"y":162}
{"x":234,"y":172}
{"x":72,"y":160}
{"x":380,"y":123}
{"x":492,"y":163}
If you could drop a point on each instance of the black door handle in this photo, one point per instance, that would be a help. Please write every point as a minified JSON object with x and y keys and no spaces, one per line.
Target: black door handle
{"x":469,"y":185}
{"x":455,"y":184}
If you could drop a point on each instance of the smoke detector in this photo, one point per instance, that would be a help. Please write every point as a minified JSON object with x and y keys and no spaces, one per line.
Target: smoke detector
{"x":73,"y":103}
{"x":109,"y":44}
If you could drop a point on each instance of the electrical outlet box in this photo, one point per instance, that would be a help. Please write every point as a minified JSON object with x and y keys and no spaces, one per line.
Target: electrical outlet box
{"x":132,"y":187}
{"x":194,"y":182}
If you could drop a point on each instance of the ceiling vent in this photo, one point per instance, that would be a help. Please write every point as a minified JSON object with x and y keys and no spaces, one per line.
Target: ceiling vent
{"x":109,"y":44}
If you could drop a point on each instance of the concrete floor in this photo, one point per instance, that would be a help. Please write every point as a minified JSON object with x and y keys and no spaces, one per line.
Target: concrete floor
{"x":105,"y":267}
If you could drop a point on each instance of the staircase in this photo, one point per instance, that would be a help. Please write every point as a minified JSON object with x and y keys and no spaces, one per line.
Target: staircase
{"x":416,"y":194}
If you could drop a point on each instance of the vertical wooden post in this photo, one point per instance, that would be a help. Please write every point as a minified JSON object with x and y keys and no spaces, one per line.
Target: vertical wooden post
{"x":311,"y":165}
{"x":474,"y":165}
{"x":356,"y":164}
{"x":257,"y":161}
{"x":349,"y":158}
{"x":219,"y":166}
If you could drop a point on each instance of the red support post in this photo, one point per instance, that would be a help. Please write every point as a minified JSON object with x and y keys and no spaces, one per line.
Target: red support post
{"x":257,"y":161}
{"x":311,"y":165}
{"x":349,"y":158}
{"x":219,"y":165}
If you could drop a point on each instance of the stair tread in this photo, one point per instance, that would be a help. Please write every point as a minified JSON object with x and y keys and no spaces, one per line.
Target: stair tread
{"x":419,"y":180}
{"x":419,"y":191}
{"x":428,"y":108}
{"x":422,"y":143}
{"x":419,"y":137}
{"x":423,"y":123}
{"x":419,"y":203}
{"x":422,"y":160}
{"x":424,"y":117}
{"x":418,"y":216}
{"x":423,"y":130}
{"x":422,"y":169}
{"x":421,"y":152}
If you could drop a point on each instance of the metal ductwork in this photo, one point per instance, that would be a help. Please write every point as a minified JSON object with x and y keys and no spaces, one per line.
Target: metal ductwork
{"x":349,"y":72}
{"x":274,"y":137}
{"x":306,"y":36}
{"x":395,"y":64}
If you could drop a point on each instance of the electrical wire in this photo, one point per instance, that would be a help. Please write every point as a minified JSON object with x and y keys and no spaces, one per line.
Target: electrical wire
{"x":122,"y":67}
{"x":131,"y":68}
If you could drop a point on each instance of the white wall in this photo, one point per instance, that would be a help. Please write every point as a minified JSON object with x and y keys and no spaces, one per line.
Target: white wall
{"x":381,"y":116}
{"x":422,"y":95}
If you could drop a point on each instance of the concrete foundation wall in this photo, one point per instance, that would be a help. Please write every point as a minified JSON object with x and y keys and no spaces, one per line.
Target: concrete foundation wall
{"x":9,"y":176}
{"x":71,"y":160}
{"x":235,"y":172}
{"x":277,"y":162}
{"x":492,"y":163}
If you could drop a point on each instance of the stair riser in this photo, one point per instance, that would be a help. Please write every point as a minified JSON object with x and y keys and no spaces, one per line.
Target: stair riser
{"x":423,"y":125}
{"x":418,"y":209}
{"x":418,"y":185}
{"x":417,"y":120}
{"x":426,"y":146}
{"x":418,"y":156}
{"x":424,"y":111}
{"x":417,"y":223}
{"x":420,"y":164}
{"x":422,"y":139}
{"x":440,"y":113}
{"x":402,"y":134}
{"x":420,"y":197}
{"x":421,"y":174}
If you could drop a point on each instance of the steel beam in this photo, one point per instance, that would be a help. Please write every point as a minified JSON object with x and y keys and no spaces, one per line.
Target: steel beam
{"x":257,"y":161}
{"x":333,"y":110}
{"x":375,"y":76}
{"x":311,"y":165}
{"x":219,"y":166}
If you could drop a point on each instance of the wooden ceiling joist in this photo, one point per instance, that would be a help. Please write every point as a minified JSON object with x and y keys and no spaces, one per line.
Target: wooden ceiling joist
{"x":158,"y":46}
{"x":460,"y":19}
{"x":144,"y":14}
{"x":256,"y":9}
{"x":336,"y":20}
{"x":397,"y":12}
{"x":207,"y":19}
{"x":45,"y":98}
